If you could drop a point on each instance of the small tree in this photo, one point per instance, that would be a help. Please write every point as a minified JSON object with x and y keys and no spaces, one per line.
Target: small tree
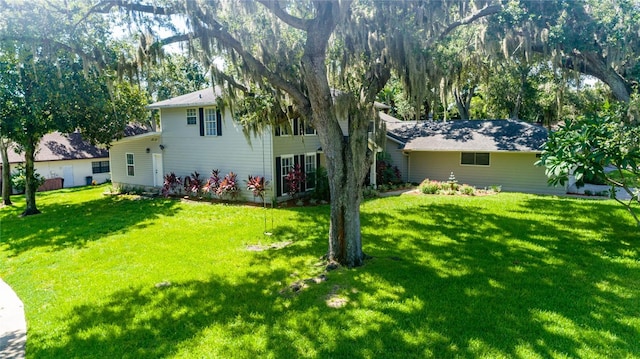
{"x":596,"y":146}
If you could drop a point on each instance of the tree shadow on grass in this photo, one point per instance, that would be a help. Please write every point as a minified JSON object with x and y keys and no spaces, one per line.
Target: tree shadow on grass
{"x":442,"y":286}
{"x":505,"y":286}
{"x":74,"y":224}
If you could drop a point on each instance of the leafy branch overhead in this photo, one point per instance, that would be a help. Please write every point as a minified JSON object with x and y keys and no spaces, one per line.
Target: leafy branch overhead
{"x":605,"y":146}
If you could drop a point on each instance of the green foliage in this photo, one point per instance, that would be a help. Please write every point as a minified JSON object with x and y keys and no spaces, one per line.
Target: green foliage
{"x":321,"y":191}
{"x":590,"y":148}
{"x":430,"y":187}
{"x":386,"y":171}
{"x":467,"y":190}
{"x":19,"y":179}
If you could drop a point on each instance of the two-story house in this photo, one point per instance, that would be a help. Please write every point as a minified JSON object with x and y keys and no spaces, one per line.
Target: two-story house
{"x":194,"y":134}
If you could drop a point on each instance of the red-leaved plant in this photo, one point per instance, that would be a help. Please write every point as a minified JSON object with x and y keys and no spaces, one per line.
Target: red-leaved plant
{"x":294,"y":179}
{"x":228,"y":186}
{"x":257,"y":185}
{"x":213,"y":183}
{"x":171,"y":184}
{"x":193,"y":183}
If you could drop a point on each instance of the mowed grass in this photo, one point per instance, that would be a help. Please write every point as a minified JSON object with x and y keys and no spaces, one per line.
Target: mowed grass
{"x":508,"y":275}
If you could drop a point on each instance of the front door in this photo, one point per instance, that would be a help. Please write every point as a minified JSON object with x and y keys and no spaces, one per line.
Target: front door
{"x":158,"y":177}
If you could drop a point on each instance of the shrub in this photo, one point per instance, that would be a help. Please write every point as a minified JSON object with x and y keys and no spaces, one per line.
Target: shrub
{"x":321,"y":191}
{"x":468,"y":190}
{"x":430,"y":187}
{"x":171,"y":184}
{"x":193,"y":184}
{"x":19,"y":179}
{"x":386,"y":172}
{"x":370,"y":192}
{"x":257,"y":185}
{"x":496,"y":188}
{"x":228,"y":187}
{"x":294,"y":180}
{"x":213,"y":183}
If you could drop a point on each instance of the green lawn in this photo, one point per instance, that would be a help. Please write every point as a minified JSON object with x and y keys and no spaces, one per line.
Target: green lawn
{"x":508,"y":275}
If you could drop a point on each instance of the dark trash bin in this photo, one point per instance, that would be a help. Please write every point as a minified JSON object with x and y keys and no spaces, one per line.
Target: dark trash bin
{"x":89,"y":180}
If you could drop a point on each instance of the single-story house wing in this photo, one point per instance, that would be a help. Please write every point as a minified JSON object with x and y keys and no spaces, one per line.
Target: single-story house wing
{"x":481,"y":153}
{"x":67,"y":159}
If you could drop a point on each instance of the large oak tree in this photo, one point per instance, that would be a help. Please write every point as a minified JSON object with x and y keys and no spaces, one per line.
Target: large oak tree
{"x":320,"y":60}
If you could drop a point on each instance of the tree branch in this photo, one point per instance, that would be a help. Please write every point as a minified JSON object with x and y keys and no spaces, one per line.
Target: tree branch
{"x":485,"y":11}
{"x":217,"y":31}
{"x":209,"y":27}
{"x":105,"y":6}
{"x":296,"y":22}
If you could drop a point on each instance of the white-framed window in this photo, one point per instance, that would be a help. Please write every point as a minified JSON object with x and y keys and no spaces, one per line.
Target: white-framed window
{"x":306,"y":129}
{"x":284,"y":129}
{"x":287,"y":164}
{"x":131,"y":168}
{"x":210,"y":122}
{"x":475,"y":158}
{"x":192,"y":116}
{"x":310,"y":170}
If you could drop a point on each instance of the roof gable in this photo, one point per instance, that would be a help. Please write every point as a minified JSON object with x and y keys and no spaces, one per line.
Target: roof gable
{"x":469,"y":135}
{"x":206,"y":97}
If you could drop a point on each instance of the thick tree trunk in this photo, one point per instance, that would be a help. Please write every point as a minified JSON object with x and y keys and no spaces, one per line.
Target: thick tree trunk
{"x":463,"y":102}
{"x":347,"y":157}
{"x":6,"y":174}
{"x":31,"y":184}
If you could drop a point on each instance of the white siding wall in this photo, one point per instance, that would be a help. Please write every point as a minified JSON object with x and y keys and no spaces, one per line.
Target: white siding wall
{"x":513,"y":171}
{"x":186,"y":151}
{"x":80,"y":168}
{"x":143,"y":162}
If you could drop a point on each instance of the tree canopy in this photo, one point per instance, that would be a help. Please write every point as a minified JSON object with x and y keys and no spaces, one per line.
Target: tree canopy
{"x":55,"y":78}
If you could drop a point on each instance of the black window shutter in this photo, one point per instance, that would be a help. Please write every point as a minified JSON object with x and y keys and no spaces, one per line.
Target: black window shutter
{"x":201,"y":117}
{"x":219,"y":122}
{"x":296,"y":163}
{"x":317,"y":161}
{"x":278,"y":177}
{"x":296,"y":129}
{"x":303,"y":185}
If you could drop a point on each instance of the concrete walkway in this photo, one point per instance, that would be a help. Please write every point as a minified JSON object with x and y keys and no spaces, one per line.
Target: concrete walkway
{"x":13,"y":327}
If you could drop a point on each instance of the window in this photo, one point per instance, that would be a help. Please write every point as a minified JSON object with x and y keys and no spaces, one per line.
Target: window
{"x":310,"y":170}
{"x":210,"y":122}
{"x":130,"y":165}
{"x":283,"y":129}
{"x":192,"y":116}
{"x":306,"y":129}
{"x":474,"y":158}
{"x":286,"y":165}
{"x":100,"y":167}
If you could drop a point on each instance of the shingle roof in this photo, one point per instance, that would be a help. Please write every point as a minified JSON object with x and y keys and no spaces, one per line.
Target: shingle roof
{"x":468,"y":135}
{"x":57,"y":146}
{"x":206,"y":97}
